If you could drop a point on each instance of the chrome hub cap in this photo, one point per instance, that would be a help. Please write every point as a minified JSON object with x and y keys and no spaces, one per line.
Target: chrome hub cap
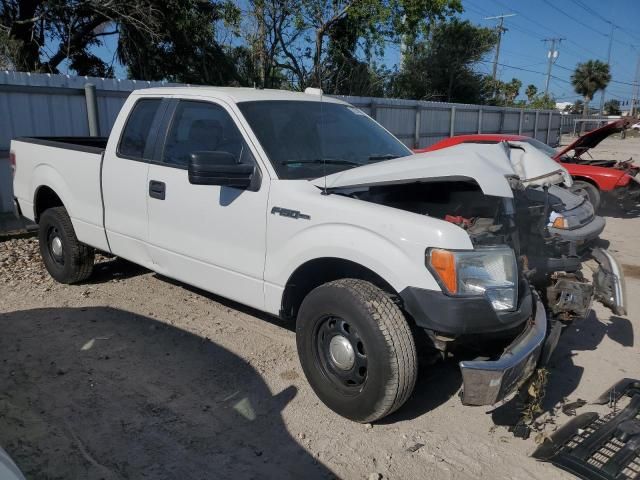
{"x":56,"y":246}
{"x":341,"y":352}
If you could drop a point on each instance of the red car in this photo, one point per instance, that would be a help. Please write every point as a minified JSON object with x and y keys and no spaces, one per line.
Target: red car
{"x":611,"y":178}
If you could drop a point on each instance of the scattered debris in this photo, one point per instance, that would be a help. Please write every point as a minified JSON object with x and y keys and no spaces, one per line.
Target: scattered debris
{"x":606,"y":447}
{"x":415,"y":447}
{"x":569,"y":409}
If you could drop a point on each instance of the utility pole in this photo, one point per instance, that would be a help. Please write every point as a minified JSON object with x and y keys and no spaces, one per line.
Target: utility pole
{"x":636,"y":90}
{"x":500,"y":29}
{"x":609,"y":64}
{"x":553,"y":56}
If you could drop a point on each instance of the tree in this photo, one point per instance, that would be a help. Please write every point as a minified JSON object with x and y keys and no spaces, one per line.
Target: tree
{"x":185,"y":48}
{"x":8,"y":50}
{"x":304,"y":40}
{"x":542,"y":102}
{"x":504,"y":93}
{"x":442,"y":66}
{"x":588,"y":78}
{"x":612,"y":107}
{"x":531,"y":92}
{"x":68,"y":29}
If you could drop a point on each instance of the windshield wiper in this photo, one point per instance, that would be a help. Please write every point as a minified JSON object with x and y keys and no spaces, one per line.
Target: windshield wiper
{"x":386,"y":156}
{"x":328,"y":161}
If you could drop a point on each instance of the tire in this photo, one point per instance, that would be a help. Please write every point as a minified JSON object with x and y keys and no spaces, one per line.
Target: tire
{"x":67,"y":261}
{"x":589,"y":191}
{"x":381,"y":342}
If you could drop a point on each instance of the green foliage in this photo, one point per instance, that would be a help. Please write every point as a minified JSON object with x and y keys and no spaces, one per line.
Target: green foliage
{"x":504,"y":93}
{"x":542,"y":102}
{"x":531,"y":92}
{"x":9,"y":49}
{"x":588,"y":78}
{"x":185,"y":49}
{"x":441,"y":68}
{"x":612,"y":107}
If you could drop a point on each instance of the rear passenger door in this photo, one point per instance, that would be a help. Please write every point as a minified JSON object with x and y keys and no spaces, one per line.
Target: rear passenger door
{"x":124,"y":180}
{"x":209,"y":236}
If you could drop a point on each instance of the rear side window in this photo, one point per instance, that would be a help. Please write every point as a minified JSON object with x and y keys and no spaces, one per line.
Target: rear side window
{"x":136,"y":131}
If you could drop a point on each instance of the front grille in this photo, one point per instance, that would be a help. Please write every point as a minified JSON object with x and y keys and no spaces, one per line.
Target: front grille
{"x":595,"y":447}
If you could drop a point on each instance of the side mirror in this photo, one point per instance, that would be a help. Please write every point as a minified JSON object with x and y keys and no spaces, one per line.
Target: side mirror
{"x":219,"y":168}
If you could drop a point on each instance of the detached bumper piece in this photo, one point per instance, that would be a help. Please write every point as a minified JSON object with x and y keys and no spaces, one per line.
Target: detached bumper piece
{"x":488,"y":382}
{"x":608,"y":282}
{"x":598,"y":448}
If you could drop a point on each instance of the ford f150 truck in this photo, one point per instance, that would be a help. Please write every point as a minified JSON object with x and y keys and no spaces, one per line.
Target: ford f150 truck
{"x":302,"y":206}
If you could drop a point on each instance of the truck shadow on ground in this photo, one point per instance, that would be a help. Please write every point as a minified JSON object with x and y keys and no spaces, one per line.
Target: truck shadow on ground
{"x":564,"y":374}
{"x":114,"y":268}
{"x":583,"y":335}
{"x":436,"y":384}
{"x":104,"y":393}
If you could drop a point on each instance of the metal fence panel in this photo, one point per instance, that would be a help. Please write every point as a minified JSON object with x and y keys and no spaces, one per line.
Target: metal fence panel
{"x":54,"y":105}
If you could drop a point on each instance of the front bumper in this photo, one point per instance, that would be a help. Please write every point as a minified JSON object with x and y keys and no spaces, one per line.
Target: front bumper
{"x":608,"y":282}
{"x":456,"y":316}
{"x":629,"y":194}
{"x":488,"y":382}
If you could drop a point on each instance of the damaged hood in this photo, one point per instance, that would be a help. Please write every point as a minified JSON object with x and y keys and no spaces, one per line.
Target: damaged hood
{"x":487,"y":165}
{"x":535,"y":168}
{"x":594,"y":137}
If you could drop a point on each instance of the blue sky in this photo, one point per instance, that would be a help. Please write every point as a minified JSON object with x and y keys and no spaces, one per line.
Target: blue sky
{"x":583,"y":23}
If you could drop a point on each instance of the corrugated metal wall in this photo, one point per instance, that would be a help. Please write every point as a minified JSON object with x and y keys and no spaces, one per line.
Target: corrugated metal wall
{"x":420,"y":124}
{"x":54,"y":105}
{"x":33,"y":104}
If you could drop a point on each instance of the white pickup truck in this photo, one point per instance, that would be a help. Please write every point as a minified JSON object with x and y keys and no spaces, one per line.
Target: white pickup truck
{"x":302,"y":206}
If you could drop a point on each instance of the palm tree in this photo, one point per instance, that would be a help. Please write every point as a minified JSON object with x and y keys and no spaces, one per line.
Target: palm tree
{"x":588,"y":78}
{"x":531,"y":92}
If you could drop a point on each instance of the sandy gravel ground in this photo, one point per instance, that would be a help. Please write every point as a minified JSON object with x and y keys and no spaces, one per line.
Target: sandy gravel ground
{"x":135,"y":376}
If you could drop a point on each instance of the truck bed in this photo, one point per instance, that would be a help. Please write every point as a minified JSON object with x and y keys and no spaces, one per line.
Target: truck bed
{"x":70,"y":167}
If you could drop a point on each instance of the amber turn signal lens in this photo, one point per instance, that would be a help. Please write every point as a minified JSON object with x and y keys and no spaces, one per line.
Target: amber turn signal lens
{"x":444,"y":263}
{"x":560,"y":222}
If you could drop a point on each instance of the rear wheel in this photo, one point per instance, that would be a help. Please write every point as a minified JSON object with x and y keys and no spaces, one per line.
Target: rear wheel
{"x":66,"y":259}
{"x":356,"y":349}
{"x":588,"y":191}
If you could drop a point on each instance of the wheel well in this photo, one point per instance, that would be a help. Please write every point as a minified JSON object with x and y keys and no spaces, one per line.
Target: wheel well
{"x":316,"y":272}
{"x":587,"y":180}
{"x":45,"y":198}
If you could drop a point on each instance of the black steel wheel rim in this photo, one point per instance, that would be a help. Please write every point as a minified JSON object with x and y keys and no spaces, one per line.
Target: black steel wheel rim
{"x":346,"y":377}
{"x":55,"y":246}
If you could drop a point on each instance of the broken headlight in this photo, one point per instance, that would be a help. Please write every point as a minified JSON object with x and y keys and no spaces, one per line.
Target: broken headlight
{"x":489,"y":271}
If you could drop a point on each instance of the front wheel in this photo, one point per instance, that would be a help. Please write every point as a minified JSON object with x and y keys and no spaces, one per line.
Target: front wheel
{"x":356,"y":349}
{"x":66,"y":259}
{"x":588,"y":191}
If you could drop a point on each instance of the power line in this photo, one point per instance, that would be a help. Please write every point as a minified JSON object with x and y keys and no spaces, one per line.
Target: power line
{"x":573,"y":18}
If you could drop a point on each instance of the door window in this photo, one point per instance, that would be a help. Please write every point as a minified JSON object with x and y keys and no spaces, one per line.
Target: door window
{"x":136,"y":131}
{"x":203,"y":127}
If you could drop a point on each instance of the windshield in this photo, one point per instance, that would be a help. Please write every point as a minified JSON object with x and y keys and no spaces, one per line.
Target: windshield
{"x":542,"y":146}
{"x":307,"y":140}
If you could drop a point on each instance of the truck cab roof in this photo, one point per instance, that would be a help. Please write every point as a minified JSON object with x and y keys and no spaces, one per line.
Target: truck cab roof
{"x":237,"y":94}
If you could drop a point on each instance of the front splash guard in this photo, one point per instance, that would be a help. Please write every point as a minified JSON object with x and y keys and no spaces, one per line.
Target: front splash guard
{"x":608,"y":282}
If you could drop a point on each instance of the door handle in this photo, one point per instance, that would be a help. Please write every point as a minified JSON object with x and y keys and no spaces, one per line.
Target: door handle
{"x":157,"y":189}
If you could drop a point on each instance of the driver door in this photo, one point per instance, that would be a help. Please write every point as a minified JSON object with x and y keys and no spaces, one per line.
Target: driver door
{"x":209,"y":236}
